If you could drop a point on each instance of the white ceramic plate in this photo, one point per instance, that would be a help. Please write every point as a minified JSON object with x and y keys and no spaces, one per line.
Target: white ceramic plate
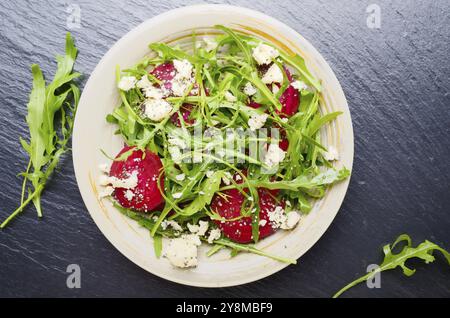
{"x":92,"y":133}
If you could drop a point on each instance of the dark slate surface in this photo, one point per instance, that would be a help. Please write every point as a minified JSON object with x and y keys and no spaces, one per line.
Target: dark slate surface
{"x":395,"y":79}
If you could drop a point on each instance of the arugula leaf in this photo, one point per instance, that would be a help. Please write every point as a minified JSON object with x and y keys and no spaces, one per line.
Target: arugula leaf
{"x":157,"y":245}
{"x":304,"y":182}
{"x":391,"y":260}
{"x":299,"y":64}
{"x":251,"y":249}
{"x":48,"y":139}
{"x":208,"y":188}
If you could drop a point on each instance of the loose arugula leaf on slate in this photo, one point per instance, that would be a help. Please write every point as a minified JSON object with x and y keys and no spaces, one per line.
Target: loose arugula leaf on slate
{"x":48,"y":136}
{"x":391,"y":260}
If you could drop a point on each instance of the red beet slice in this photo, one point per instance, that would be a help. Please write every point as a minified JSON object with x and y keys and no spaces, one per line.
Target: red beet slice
{"x":186,"y":110}
{"x":289,"y":100}
{"x":253,"y":104}
{"x":146,"y":195}
{"x":165,"y":73}
{"x":241,"y":230}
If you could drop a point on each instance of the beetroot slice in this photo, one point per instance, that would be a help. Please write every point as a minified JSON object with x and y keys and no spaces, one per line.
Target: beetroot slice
{"x":241,"y":230}
{"x":186,"y":110}
{"x":146,"y":195}
{"x":165,"y":73}
{"x":290,"y":99}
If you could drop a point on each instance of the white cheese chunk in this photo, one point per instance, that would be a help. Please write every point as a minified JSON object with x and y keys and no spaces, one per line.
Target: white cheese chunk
{"x":299,"y":85}
{"x":274,"y":155}
{"x":177,"y":195}
{"x":183,"y":68}
{"x":257,"y":121}
{"x":153,"y":92}
{"x":292,"y":218}
{"x":129,"y":195}
{"x":173,"y":224}
{"x":106,"y":192}
{"x":127,"y":183}
{"x":273,"y":75}
{"x":332,"y":154}
{"x":264,"y":54}
{"x":230,"y":97}
{"x":199,"y":229}
{"x":127,"y":82}
{"x":179,"y":86}
{"x":157,"y":109}
{"x":227,"y":177}
{"x":262,"y":222}
{"x":249,"y":89}
{"x":180,"y":177}
{"x":275,"y":89}
{"x":182,"y":251}
{"x":279,"y":219}
{"x":144,"y":83}
{"x":214,"y":234}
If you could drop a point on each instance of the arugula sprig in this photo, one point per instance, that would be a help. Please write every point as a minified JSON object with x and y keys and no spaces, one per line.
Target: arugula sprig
{"x":51,"y":111}
{"x":393,"y":260}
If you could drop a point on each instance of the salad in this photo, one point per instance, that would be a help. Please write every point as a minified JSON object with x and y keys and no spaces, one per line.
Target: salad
{"x":222,"y":145}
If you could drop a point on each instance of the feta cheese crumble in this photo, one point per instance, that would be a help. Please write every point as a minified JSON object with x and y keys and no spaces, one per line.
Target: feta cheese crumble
{"x":183,"y":78}
{"x":262,"y":222}
{"x":209,"y":173}
{"x":173,"y":224}
{"x":299,"y":85}
{"x":144,"y":83}
{"x":182,"y":251}
{"x":180,"y":177}
{"x":249,"y":89}
{"x":332,"y":154}
{"x":153,"y":92}
{"x":227,"y":178}
{"x":214,"y":234}
{"x":279,"y":219}
{"x":128,"y":183}
{"x":199,"y":229}
{"x":230,"y":97}
{"x":177,"y":195}
{"x":106,"y":192}
{"x":274,"y":155}
{"x":129,"y":195}
{"x":264,"y":54}
{"x":183,"y":68}
{"x":257,"y":121}
{"x":273,"y":75}
{"x":292,"y":218}
{"x":157,"y":109}
{"x":127,"y":82}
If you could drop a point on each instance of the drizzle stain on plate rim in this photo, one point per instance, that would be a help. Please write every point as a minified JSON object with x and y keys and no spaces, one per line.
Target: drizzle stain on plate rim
{"x":92,"y":133}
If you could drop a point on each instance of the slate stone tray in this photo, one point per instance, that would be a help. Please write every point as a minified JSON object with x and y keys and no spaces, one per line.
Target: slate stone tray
{"x":396,"y":79}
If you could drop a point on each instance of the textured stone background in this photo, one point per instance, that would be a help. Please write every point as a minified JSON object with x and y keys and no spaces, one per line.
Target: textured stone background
{"x":396,"y":80}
